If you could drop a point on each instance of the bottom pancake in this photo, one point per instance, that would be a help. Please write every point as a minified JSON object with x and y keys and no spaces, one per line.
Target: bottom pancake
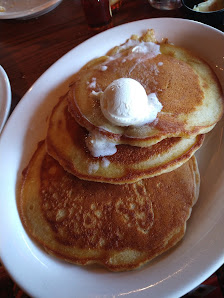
{"x":118,"y":226}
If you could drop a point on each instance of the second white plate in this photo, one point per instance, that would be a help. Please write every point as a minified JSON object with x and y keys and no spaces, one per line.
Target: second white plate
{"x":26,"y":9}
{"x":5,"y":97}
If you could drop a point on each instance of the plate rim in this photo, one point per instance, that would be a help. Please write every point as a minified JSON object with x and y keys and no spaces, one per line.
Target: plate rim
{"x":6,"y":99}
{"x":36,"y":11}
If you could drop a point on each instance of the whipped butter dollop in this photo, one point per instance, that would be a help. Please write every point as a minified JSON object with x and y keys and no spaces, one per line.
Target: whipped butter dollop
{"x":99,"y":145}
{"x":125,"y":102}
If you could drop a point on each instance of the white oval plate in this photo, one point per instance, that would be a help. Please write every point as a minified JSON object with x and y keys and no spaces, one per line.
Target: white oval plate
{"x":5,"y":97}
{"x":171,"y":275}
{"x":26,"y":9}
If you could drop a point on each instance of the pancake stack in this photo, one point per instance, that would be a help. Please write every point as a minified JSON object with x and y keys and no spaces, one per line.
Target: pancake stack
{"x":124,"y":209}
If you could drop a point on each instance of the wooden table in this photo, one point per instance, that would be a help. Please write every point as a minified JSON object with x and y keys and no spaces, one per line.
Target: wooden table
{"x":29,"y":47}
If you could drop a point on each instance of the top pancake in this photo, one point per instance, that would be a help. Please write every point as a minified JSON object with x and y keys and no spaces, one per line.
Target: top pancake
{"x":119,"y":226}
{"x":185,"y":85}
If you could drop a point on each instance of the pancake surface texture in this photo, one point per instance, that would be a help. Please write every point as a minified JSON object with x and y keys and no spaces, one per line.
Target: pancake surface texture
{"x":119,"y":226}
{"x":66,"y":143}
{"x":185,"y":85}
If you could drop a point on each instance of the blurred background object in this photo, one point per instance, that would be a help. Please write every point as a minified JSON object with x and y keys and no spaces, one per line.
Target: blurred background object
{"x":97,"y":12}
{"x":165,"y":4}
{"x":210,"y":17}
{"x":115,"y":5}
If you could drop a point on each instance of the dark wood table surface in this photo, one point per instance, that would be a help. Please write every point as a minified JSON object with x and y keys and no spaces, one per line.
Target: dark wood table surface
{"x":29,"y":47}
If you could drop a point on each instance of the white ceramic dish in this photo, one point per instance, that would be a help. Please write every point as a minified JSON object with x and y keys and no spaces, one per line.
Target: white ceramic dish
{"x":171,"y":275}
{"x":5,"y":97}
{"x":26,"y":9}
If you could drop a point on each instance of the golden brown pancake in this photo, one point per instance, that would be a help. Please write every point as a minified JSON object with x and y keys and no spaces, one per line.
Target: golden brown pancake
{"x":66,"y":143}
{"x":185,"y":85}
{"x":118,"y":226}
